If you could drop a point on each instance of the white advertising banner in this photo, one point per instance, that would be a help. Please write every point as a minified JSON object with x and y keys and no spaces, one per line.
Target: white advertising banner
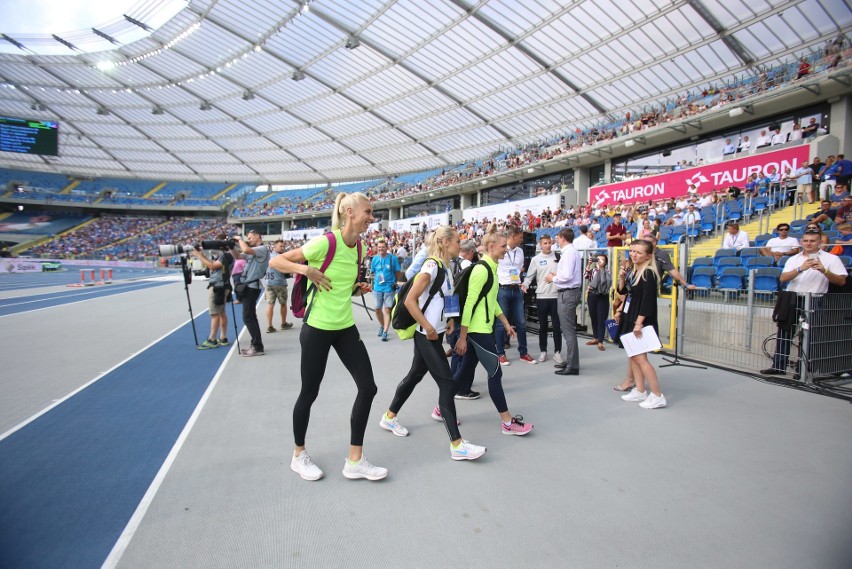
{"x":297,"y":234}
{"x":502,"y":210}
{"x":19,"y":266}
{"x":414,"y":223}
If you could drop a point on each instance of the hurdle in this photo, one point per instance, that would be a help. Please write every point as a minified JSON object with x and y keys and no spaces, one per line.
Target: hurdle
{"x":88,"y":278}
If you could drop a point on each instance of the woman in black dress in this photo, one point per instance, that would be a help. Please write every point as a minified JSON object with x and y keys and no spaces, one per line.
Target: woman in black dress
{"x":639,"y":310}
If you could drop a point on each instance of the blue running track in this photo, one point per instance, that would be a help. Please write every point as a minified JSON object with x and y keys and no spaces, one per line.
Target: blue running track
{"x":48,"y":300}
{"x":71,"y":479}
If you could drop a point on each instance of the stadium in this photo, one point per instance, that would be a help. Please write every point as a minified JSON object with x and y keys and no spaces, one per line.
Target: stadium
{"x":128,"y":142}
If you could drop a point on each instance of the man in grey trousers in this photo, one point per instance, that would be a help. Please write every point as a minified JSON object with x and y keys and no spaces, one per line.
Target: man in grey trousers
{"x":568,"y":280}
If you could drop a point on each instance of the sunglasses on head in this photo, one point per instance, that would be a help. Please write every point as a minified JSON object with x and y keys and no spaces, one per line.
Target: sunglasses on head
{"x":812,"y":231}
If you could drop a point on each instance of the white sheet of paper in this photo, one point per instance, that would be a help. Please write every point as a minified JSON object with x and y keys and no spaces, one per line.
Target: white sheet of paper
{"x":647,"y":343}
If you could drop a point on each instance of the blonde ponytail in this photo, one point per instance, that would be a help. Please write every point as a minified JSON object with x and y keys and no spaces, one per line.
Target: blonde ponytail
{"x":342,"y":202}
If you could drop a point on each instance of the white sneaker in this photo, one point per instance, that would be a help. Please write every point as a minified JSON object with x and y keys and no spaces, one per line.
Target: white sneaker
{"x":543,"y":357}
{"x":654,"y":402}
{"x":393,"y":426}
{"x":466,"y":451}
{"x":304,"y":466}
{"x":557,"y":357}
{"x":363,"y":469}
{"x":635,"y":395}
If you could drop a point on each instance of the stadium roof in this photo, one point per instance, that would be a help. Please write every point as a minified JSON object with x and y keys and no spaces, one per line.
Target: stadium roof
{"x":276,"y":92}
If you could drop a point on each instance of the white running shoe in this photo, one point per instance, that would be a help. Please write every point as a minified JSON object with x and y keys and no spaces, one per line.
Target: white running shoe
{"x":304,"y":466}
{"x":393,"y":426}
{"x":654,"y":402}
{"x":635,"y":395}
{"x":557,"y":357}
{"x":363,"y":469}
{"x":466,"y":451}
{"x":543,"y":357}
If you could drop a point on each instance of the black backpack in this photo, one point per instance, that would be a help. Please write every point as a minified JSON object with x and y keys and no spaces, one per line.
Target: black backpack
{"x":401,"y":319}
{"x":463,"y":283}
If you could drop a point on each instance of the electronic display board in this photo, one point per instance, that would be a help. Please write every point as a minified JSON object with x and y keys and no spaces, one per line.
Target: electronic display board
{"x":29,"y":136}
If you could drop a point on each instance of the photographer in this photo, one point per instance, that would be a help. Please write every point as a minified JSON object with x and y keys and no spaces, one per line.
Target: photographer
{"x":248,"y":289}
{"x":218,"y":292}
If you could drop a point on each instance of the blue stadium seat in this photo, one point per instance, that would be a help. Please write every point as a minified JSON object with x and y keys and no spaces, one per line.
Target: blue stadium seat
{"x":749,"y":252}
{"x":728,"y":262}
{"x":761,"y":239}
{"x":766,"y":279}
{"x":731,"y":278}
{"x":702,"y":277}
{"x":752,"y":263}
{"x":846,"y":260}
{"x":702,"y":262}
{"x":798,"y":225}
{"x":782,"y":260}
{"x":725,"y":253}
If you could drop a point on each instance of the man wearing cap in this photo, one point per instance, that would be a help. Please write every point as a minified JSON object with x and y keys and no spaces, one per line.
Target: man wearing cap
{"x":257,"y":261}
{"x":734,"y":238}
{"x":616,"y":233}
{"x":782,"y":245}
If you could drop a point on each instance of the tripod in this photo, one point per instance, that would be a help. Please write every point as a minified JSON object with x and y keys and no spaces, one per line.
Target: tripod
{"x":187,"y":279}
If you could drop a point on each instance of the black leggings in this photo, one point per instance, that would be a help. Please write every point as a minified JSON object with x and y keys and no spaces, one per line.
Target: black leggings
{"x":429,"y":356}
{"x":464,"y":375}
{"x":350,"y":349}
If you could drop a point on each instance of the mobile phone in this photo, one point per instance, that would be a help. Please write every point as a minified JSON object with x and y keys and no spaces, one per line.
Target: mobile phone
{"x":813,"y":256}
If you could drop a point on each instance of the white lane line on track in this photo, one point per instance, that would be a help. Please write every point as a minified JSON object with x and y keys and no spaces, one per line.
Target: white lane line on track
{"x":125,"y":291}
{"x":57,"y":402}
{"x":136,"y":519}
{"x":48,"y":296}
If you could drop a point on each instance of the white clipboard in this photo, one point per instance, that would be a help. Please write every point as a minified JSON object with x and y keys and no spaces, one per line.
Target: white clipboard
{"x":649,"y":342}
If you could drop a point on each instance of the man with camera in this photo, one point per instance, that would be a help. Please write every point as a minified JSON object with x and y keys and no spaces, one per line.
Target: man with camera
{"x":248,"y":289}
{"x":218,"y":292}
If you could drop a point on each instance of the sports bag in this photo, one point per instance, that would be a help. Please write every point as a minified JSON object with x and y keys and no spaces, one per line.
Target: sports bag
{"x":401,"y":319}
{"x":463,"y":283}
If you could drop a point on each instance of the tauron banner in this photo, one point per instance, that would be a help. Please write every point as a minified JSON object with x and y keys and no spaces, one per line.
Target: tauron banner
{"x":706,"y":178}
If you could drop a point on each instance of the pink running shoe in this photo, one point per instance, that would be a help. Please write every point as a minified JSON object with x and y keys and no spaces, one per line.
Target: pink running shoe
{"x":436,"y":414}
{"x":517,"y":427}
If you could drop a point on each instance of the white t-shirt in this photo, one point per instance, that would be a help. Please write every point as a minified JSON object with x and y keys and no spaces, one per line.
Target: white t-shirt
{"x":778,"y":245}
{"x":435,"y":311}
{"x":813,"y":280}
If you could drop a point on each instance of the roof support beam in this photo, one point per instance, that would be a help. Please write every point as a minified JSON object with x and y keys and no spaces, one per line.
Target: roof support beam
{"x":530,"y":54}
{"x":729,"y":40}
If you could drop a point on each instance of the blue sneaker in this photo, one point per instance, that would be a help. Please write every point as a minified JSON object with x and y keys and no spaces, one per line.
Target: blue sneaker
{"x":381,"y":331}
{"x":384,"y":336}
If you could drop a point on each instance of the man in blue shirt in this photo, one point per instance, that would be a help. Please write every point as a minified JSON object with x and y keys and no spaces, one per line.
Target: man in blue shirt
{"x":385,"y":269}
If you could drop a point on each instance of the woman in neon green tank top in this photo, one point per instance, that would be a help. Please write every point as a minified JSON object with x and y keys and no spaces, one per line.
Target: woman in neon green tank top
{"x":329,"y":324}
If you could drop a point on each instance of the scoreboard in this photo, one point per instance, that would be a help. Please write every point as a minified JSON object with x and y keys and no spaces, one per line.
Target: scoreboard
{"x":29,"y":136}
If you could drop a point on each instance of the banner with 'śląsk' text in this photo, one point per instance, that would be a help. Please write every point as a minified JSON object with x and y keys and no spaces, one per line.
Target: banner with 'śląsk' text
{"x":706,"y":178}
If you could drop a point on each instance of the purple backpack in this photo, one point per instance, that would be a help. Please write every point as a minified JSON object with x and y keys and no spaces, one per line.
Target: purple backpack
{"x":300,"y":304}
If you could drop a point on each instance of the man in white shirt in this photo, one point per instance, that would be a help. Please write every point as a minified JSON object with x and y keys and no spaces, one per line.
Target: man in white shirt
{"x":745,"y":145}
{"x":510,"y":297}
{"x":782,"y":245}
{"x":691,"y":218}
{"x":568,"y":279}
{"x":546,"y":298}
{"x":734,"y":238}
{"x":583,"y":242}
{"x":763,"y":140}
{"x":778,"y":139}
{"x":810,"y":271}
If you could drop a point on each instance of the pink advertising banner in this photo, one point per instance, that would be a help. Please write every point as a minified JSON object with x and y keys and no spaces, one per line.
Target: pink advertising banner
{"x":706,"y":178}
